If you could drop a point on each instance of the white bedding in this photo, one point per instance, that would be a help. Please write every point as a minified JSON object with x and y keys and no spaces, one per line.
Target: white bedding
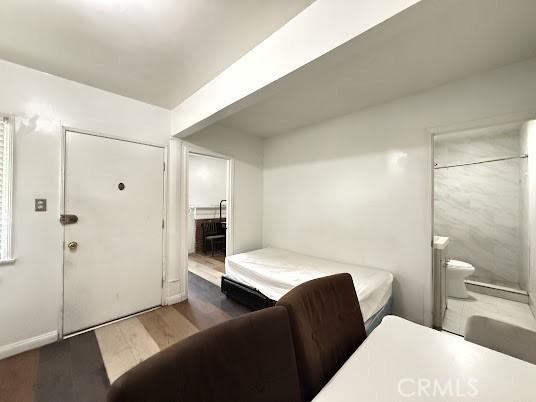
{"x":274,"y":272}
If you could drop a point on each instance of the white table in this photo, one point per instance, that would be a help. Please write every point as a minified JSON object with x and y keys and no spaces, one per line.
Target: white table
{"x":403,"y":361}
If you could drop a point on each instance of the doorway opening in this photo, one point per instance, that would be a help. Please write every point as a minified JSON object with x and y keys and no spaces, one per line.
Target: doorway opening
{"x":481,"y":242}
{"x":209,"y":216}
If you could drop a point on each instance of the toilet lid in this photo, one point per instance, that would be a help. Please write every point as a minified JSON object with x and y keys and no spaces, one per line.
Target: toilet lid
{"x":459,"y":264}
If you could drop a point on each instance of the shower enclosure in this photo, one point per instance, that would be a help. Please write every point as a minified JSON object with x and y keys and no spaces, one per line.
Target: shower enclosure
{"x":481,"y":193}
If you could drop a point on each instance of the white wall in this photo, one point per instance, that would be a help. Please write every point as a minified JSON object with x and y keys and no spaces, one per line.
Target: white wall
{"x":358,"y":188}
{"x":524,"y":210}
{"x":303,"y":39}
{"x":207,"y":183}
{"x":528,"y":142}
{"x":247,"y":152}
{"x":30,"y":289}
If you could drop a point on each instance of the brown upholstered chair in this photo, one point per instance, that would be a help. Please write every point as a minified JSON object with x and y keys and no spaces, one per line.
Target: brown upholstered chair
{"x":327,"y":327}
{"x":248,"y":359}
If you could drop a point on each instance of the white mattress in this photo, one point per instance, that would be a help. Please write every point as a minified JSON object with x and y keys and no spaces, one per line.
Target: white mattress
{"x":274,"y":272}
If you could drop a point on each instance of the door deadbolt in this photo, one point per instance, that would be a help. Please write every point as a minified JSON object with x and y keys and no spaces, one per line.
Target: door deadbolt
{"x":68,"y":219}
{"x":72,"y":245}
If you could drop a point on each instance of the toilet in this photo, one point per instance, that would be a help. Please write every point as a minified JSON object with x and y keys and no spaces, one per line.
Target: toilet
{"x":457,"y":271}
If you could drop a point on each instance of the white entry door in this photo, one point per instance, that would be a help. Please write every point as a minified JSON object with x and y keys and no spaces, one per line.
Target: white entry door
{"x":113,"y":253}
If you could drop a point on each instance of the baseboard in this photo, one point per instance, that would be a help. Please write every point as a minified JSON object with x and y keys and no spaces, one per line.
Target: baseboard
{"x":532,"y":304}
{"x":174,"y":299}
{"x":502,"y":292}
{"x":28,"y":344}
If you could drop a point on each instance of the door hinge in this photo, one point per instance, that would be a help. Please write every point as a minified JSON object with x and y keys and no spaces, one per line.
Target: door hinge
{"x":164,"y":166}
{"x":163,"y":223}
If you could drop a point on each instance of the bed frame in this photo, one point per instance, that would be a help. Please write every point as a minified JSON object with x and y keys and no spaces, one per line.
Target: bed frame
{"x":244,"y":294}
{"x":255,"y":300}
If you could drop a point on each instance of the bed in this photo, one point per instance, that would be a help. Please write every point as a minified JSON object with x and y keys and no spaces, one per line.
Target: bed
{"x":259,"y":278}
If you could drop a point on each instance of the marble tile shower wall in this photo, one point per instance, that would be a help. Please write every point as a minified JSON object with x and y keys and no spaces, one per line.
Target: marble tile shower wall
{"x":478,"y":206}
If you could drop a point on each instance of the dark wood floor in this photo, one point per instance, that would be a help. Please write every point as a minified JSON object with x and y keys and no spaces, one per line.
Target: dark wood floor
{"x":73,"y":370}
{"x":70,"y":370}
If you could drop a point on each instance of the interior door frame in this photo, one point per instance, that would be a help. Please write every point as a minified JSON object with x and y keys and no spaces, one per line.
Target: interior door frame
{"x":187,"y":149}
{"x":64,"y":130}
{"x":432,"y":132}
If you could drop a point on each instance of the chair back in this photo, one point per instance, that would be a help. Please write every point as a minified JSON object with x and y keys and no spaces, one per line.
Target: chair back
{"x":503,"y":337}
{"x":211,"y":228}
{"x":327,"y":327}
{"x":246,"y":359}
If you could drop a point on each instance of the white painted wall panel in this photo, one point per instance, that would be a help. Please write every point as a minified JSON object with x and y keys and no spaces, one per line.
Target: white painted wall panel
{"x":529,"y":144}
{"x":357,"y":189}
{"x":303,"y":39}
{"x":207,"y":184}
{"x":30,"y":289}
{"x":524,"y":209}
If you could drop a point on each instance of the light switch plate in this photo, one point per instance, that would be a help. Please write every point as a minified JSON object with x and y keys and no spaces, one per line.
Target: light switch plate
{"x":40,"y":205}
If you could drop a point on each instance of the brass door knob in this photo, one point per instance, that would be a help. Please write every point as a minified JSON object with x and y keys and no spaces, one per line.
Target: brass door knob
{"x":72,"y":245}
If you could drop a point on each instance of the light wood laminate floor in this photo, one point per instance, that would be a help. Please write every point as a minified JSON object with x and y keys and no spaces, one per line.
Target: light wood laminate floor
{"x":207,"y":267}
{"x":81,"y":368}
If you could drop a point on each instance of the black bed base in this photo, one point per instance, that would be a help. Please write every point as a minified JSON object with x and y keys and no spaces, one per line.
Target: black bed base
{"x":244,"y":294}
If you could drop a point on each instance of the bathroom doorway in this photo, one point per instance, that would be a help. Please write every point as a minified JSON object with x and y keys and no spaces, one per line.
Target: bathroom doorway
{"x":481,"y":187}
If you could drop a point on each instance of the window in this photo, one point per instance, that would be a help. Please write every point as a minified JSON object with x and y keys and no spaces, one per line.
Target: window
{"x":6,"y":175}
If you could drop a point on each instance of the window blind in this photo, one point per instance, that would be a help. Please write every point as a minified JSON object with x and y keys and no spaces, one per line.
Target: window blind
{"x":5,"y":187}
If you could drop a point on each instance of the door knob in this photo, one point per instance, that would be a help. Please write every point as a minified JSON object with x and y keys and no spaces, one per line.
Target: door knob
{"x":72,"y":245}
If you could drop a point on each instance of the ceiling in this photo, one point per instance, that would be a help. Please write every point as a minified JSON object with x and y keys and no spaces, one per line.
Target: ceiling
{"x":429,"y":44}
{"x":157,"y":51}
